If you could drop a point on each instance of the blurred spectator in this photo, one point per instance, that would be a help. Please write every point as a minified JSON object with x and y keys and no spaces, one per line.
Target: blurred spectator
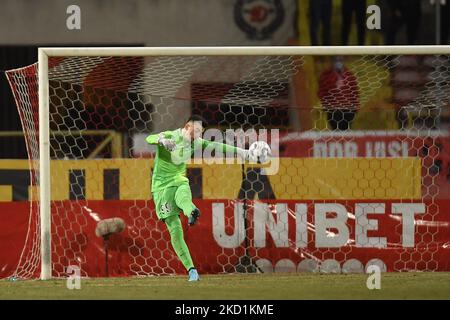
{"x":410,"y":95}
{"x":401,"y":12}
{"x":339,"y":94}
{"x":348,"y":7}
{"x":320,"y":12}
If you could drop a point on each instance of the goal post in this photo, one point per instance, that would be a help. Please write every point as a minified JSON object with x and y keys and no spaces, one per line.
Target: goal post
{"x":245,"y":51}
{"x":171,"y":78}
{"x":44,"y":166}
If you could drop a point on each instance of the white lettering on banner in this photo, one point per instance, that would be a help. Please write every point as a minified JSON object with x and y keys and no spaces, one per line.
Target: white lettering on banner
{"x":397,"y":149}
{"x":222,"y":238}
{"x":320,"y":150}
{"x":380,"y":149}
{"x":324,"y":238}
{"x":336,"y":150}
{"x":369,"y":149}
{"x":301,"y":231}
{"x":363,"y":224}
{"x":277,"y":229}
{"x":350,"y":149}
{"x":408,"y":210}
{"x":324,"y":227}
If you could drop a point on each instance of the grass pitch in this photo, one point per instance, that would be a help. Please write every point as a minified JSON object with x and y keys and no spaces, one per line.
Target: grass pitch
{"x":253,"y":286}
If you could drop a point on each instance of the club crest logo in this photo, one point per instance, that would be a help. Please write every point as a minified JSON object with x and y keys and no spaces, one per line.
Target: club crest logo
{"x":259,"y":19}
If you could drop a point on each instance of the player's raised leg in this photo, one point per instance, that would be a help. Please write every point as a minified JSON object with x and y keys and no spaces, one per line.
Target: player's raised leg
{"x":183,"y":199}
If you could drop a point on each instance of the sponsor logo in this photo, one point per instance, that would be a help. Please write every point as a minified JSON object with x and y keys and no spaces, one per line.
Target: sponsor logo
{"x":259,"y":19}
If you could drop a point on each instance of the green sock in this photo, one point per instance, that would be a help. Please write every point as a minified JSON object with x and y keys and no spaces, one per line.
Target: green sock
{"x":183,"y":199}
{"x":173,"y":224}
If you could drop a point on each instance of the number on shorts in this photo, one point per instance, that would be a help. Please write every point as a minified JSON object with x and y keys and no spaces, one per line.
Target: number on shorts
{"x":166,"y":208}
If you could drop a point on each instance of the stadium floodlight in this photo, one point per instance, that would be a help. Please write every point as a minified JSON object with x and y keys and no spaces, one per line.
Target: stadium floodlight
{"x":73,"y":91}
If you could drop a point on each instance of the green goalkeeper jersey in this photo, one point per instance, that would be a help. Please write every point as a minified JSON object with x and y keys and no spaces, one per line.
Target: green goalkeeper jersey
{"x":170,"y":167}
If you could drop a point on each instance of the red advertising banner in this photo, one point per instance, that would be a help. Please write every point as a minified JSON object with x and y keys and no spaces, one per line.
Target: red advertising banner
{"x":281,"y":236}
{"x":353,"y":144}
{"x":433,"y":147}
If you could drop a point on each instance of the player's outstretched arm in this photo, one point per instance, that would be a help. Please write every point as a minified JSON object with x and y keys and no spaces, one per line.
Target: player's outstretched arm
{"x":163,"y":139}
{"x":228,"y":149}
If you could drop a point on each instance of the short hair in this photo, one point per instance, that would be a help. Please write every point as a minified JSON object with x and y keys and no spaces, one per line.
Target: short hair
{"x":196,"y":117}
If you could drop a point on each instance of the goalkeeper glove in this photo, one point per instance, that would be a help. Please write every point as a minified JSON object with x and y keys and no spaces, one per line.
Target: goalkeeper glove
{"x":168,"y":144}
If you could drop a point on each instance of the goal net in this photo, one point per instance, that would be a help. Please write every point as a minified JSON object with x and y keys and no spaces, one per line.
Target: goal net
{"x":358,"y":172}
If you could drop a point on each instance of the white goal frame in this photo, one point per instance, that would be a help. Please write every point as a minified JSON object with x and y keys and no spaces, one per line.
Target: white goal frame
{"x":44,"y":131}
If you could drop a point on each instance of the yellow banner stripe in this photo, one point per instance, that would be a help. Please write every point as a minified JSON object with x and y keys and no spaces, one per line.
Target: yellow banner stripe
{"x":297,"y":178}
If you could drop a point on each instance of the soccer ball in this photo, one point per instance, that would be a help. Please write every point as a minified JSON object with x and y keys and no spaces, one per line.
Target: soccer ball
{"x":260,"y":151}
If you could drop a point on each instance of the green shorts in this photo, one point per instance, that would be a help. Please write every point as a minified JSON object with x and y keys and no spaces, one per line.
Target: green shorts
{"x":172,"y":201}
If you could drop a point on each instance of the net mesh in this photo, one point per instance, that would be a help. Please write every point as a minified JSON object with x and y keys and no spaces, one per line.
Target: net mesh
{"x":358,"y":139}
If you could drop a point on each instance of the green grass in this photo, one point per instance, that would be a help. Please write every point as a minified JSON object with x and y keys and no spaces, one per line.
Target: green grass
{"x":253,"y":286}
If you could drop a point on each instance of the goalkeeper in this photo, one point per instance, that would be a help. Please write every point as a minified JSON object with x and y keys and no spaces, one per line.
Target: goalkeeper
{"x":170,"y":186}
